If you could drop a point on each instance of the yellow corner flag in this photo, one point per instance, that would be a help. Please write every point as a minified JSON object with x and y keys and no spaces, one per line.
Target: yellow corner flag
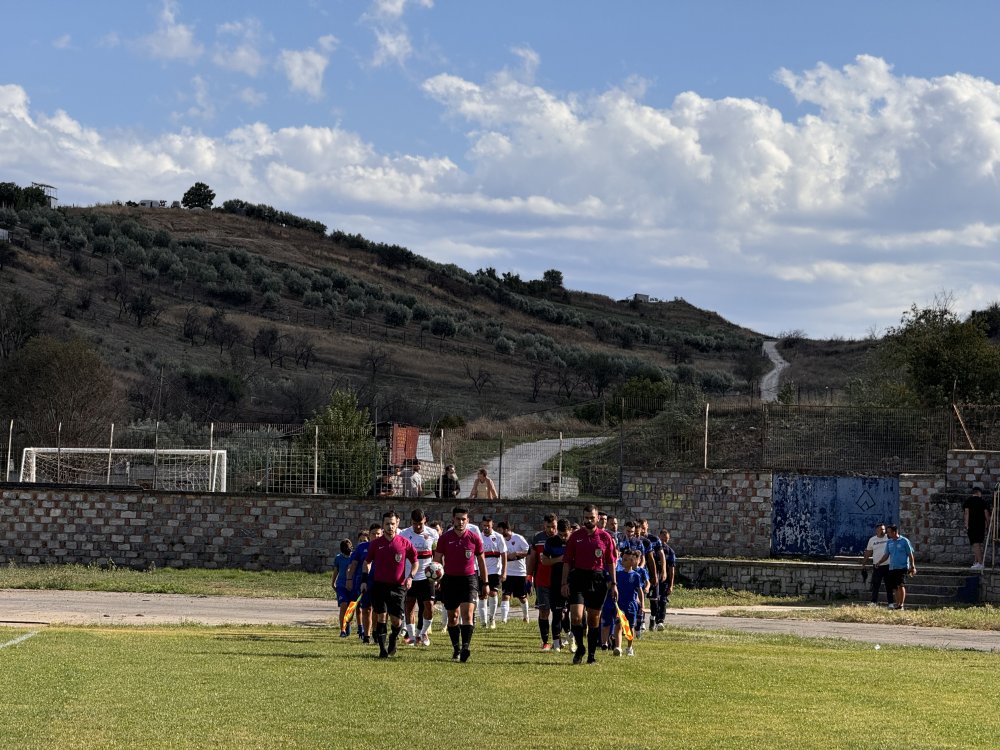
{"x":348,"y":615}
{"x":626,"y":627}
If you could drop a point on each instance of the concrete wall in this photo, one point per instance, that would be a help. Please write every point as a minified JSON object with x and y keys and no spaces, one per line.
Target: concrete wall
{"x":252,"y":532}
{"x":724,"y":513}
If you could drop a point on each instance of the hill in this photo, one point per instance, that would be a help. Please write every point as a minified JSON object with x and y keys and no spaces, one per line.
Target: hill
{"x":223,"y":316}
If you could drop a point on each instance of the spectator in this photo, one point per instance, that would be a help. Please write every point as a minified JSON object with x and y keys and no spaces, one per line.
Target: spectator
{"x":899,"y":553}
{"x":874,"y":551}
{"x":977,"y":514}
{"x":448,"y":486}
{"x":413,"y":482}
{"x":483,"y":488}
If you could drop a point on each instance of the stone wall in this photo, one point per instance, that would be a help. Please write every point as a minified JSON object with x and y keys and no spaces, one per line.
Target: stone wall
{"x":968,"y":469}
{"x":813,"y":580}
{"x":723,"y":513}
{"x":252,"y":532}
{"x":931,"y":519}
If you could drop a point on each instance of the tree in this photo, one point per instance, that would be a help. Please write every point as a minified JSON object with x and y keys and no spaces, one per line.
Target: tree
{"x":198,"y":195}
{"x":348,"y":454}
{"x":443,"y":326}
{"x":933,"y":358}
{"x":19,"y":322}
{"x":49,"y":381}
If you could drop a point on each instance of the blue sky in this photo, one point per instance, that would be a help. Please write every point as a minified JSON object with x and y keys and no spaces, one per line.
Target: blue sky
{"x":792,"y":165}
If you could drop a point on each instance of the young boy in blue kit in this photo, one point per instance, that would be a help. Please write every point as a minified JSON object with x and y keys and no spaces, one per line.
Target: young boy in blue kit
{"x":630,"y":597}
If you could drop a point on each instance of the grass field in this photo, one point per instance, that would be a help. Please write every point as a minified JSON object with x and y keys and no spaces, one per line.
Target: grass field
{"x":195,"y":687}
{"x":985,"y":617}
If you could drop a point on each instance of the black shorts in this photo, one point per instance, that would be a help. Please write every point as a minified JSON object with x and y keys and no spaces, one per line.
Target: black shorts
{"x":494,"y":581}
{"x":587,"y":587}
{"x":422,"y":591}
{"x":894,"y":578}
{"x":387,"y":598}
{"x":977,"y":534}
{"x":514,"y":586}
{"x":456,"y":590}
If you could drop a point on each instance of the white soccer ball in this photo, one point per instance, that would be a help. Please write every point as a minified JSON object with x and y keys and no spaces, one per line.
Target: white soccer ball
{"x":434,"y":571}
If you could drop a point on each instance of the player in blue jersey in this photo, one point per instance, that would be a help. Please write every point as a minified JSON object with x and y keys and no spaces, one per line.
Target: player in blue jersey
{"x":341,"y":564}
{"x":364,"y":614}
{"x":667,"y":582}
{"x":630,"y":597}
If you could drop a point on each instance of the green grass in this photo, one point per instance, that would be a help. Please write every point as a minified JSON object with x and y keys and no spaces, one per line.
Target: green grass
{"x":193,"y":687}
{"x":971,"y":618}
{"x":191,"y":581}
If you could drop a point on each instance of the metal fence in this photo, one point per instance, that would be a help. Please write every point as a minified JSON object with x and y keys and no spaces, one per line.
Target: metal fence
{"x":580,"y":454}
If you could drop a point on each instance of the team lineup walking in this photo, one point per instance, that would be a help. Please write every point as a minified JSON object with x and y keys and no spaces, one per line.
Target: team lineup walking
{"x":591,"y":584}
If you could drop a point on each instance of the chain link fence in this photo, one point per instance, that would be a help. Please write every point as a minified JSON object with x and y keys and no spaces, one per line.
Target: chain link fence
{"x":577,"y":454}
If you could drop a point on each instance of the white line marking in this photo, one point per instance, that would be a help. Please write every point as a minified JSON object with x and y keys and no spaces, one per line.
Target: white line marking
{"x":19,"y":639}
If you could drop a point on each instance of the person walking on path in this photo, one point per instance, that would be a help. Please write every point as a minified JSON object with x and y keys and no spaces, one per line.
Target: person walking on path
{"x":483,"y":488}
{"x":899,"y":553}
{"x":873,"y":552}
{"x":977,"y":514}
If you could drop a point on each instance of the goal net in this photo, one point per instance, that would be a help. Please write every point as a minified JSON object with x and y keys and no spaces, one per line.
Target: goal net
{"x":167,"y":469}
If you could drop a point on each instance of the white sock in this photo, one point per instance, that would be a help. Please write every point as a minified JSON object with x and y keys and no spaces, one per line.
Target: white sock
{"x":410,"y":629}
{"x":524,"y":608}
{"x":491,"y":603}
{"x":504,"y":611}
{"x":425,"y":629}
{"x":482,"y":610}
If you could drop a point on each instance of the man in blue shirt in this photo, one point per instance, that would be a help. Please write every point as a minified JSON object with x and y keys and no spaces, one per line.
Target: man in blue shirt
{"x":899,"y":553}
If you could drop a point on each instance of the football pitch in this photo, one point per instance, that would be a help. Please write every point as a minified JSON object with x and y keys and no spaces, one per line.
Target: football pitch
{"x":253,"y":687}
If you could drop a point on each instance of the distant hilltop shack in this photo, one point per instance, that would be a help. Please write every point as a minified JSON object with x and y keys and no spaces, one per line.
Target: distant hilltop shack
{"x":51,"y":193}
{"x":148,"y":203}
{"x":643,"y":298}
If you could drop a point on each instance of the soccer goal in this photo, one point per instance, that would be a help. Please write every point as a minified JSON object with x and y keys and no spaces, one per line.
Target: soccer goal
{"x":165,"y":469}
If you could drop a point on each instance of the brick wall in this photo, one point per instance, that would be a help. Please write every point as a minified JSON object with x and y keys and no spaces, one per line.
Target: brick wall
{"x":709,"y":513}
{"x":931,"y":518}
{"x":968,"y":469}
{"x":252,"y":532}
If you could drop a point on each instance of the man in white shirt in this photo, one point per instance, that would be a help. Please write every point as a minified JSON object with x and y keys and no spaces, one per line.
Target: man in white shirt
{"x":413,"y":482}
{"x":515,"y":584}
{"x":424,"y":539}
{"x":495,"y":551}
{"x":873,"y":553}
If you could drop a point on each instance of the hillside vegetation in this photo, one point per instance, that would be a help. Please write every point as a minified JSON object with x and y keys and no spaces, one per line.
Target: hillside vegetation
{"x":248,"y":315}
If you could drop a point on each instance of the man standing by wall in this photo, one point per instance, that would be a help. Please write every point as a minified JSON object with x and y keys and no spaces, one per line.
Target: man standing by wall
{"x":977,"y":513}
{"x":588,"y":578}
{"x":874,"y":552}
{"x":899,"y":553}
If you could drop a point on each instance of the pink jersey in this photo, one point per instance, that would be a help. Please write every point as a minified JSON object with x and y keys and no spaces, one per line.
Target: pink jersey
{"x":390,"y":556}
{"x":460,"y":552}
{"x":595,"y":551}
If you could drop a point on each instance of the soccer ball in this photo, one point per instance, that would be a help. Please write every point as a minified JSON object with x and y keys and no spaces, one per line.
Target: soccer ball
{"x":434,"y":571}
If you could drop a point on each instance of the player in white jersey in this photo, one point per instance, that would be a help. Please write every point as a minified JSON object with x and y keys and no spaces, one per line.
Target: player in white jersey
{"x":495,"y":552}
{"x":424,"y":539}
{"x":515,"y":585}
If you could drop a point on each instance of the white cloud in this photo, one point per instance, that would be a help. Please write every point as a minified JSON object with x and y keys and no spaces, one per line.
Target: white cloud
{"x":304,"y":69}
{"x":252,"y":97}
{"x":885,"y":193}
{"x":238,"y":47}
{"x":391,"y":47}
{"x":109,"y":40}
{"x":171,"y":40}
{"x":393,"y":10}
{"x":62,"y":42}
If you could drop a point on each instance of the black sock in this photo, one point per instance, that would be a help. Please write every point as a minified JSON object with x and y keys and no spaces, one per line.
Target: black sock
{"x":556,"y":623}
{"x":543,"y":628}
{"x":466,"y":635}
{"x":453,"y":631}
{"x":578,"y":636}
{"x":593,"y":640}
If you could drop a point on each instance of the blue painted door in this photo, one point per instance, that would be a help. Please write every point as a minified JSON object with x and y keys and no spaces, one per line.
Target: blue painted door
{"x":827,"y":516}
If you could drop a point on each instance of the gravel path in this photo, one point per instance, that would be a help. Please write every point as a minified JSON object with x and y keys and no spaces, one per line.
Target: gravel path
{"x":770,"y":382}
{"x":27,"y":608}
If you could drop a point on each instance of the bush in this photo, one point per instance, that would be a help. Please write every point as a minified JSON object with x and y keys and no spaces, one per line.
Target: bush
{"x":396,"y":315}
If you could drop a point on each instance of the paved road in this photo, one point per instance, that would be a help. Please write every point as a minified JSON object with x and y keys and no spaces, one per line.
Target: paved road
{"x":770,"y":382}
{"x":32,"y":608}
{"x":522,"y":466}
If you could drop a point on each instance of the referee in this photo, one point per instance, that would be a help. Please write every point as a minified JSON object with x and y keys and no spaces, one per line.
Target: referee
{"x":588,"y":578}
{"x":390,"y":553}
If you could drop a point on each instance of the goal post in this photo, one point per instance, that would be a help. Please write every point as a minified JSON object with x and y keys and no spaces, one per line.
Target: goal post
{"x":180,"y":469}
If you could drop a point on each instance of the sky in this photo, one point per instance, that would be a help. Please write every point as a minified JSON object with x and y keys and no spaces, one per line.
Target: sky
{"x":807,"y":166}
